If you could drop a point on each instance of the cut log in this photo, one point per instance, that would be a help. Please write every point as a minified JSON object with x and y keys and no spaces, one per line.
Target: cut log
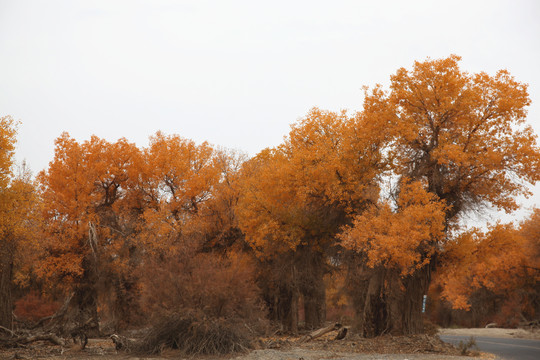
{"x":320,"y":332}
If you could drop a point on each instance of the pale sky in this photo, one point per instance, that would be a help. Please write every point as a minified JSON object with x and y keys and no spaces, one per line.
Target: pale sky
{"x":234,"y":73}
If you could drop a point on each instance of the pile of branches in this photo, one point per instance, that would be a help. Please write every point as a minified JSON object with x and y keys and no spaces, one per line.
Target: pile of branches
{"x":57,"y":329}
{"x":192,"y":335}
{"x":10,"y":338}
{"x":531,"y":325}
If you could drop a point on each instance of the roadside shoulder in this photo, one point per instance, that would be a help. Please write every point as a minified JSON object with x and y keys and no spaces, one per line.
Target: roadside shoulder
{"x":492,"y":332}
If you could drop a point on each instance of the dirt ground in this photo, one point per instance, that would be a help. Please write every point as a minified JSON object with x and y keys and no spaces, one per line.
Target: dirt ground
{"x":494,"y":332}
{"x":287,"y":348}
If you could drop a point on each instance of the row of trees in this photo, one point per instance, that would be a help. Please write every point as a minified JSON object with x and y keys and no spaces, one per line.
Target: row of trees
{"x":491,"y":276}
{"x":376,"y":196}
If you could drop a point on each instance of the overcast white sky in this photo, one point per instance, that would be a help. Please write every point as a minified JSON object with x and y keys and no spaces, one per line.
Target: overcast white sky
{"x":234,"y":73}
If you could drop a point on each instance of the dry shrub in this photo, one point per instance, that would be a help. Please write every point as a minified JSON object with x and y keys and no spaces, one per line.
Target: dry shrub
{"x":218,"y":287}
{"x":430,"y":328}
{"x":194,"y":334}
{"x":339,"y":306}
{"x":466,"y":347}
{"x":215,"y":304}
{"x":510,"y":313}
{"x":33,"y":307}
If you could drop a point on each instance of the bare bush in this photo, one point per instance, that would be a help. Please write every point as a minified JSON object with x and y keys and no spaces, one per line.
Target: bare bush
{"x":215,"y":286}
{"x":193,"y":334}
{"x":201,"y":304}
{"x":33,"y":306}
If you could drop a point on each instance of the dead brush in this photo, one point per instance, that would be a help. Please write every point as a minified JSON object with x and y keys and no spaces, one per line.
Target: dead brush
{"x":195,"y":335}
{"x":466,"y":347}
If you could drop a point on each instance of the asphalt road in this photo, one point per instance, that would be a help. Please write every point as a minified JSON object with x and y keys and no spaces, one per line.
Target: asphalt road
{"x":508,"y":349}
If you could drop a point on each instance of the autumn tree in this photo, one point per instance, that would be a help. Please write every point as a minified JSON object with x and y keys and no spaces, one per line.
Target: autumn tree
{"x":180,"y":176}
{"x":261,"y":203}
{"x":530,"y":231}
{"x":7,"y":147}
{"x":463,"y":137}
{"x":501,"y":265}
{"x":194,"y":259}
{"x":17,"y":209}
{"x":394,"y":241}
{"x":296,"y":197}
{"x":115,"y":215}
{"x":217,"y":222}
{"x":84,"y":235}
{"x":117,"y":206}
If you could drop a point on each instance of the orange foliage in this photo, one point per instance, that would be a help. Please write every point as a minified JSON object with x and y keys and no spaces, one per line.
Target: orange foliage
{"x":181,"y":177}
{"x":302,"y":191}
{"x":18,"y":204}
{"x":133,"y":204}
{"x":404,"y":238}
{"x":216,"y":223}
{"x":504,"y":261}
{"x":463,"y":134}
{"x":462,"y":141}
{"x":15,"y":192}
{"x":8,"y":132}
{"x":83,"y":186}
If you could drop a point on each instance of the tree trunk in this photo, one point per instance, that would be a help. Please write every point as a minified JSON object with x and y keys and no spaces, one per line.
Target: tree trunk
{"x":6,"y":276}
{"x":370,"y":303}
{"x":406,"y":306}
{"x":386,"y":302}
{"x":85,"y":309}
{"x":312,"y":287}
{"x":282,"y":298}
{"x":126,"y":304}
{"x":315,"y":306}
{"x":292,"y":319}
{"x":284,"y":308}
{"x":82,"y":317}
{"x":85,"y":299}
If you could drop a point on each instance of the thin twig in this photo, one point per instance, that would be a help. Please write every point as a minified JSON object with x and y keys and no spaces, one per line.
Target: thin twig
{"x":7,"y":330}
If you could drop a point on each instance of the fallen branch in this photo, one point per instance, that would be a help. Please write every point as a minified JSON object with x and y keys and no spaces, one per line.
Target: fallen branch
{"x":320,"y":332}
{"x":21,"y":340}
{"x":7,"y":330}
{"x":56,"y":329}
{"x":122,"y":343}
{"x":60,"y":313}
{"x":530,"y":324}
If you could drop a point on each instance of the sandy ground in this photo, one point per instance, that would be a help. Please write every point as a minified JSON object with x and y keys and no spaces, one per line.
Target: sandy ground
{"x":101,"y":349}
{"x":297,"y":353}
{"x":389,"y":348}
{"x":493,"y":332}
